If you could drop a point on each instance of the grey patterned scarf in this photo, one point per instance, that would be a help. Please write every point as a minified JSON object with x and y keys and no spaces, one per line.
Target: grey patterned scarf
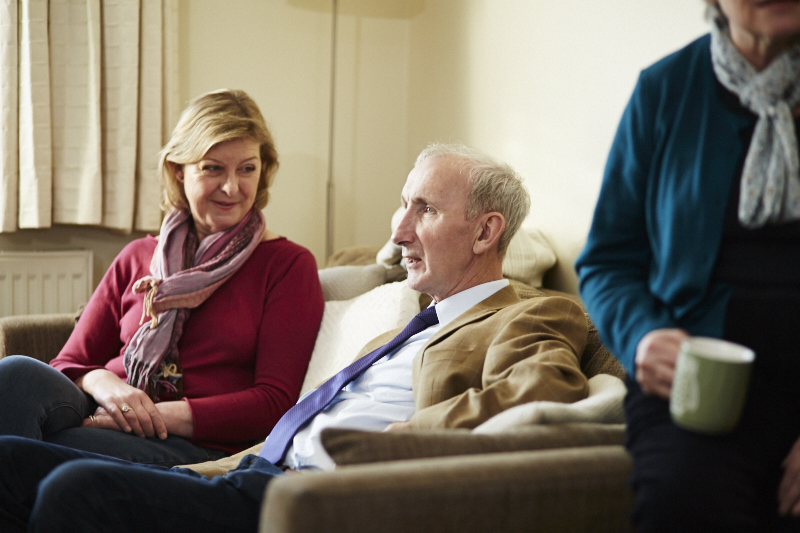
{"x":770,"y":186}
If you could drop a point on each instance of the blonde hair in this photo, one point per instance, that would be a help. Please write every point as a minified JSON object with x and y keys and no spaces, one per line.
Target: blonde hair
{"x":209,"y":119}
{"x":494,"y":186}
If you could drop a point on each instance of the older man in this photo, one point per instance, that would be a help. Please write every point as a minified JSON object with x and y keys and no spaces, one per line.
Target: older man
{"x":476,"y":351}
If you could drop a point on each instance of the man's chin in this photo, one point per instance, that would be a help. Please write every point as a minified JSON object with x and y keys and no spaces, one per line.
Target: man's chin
{"x":413,"y":281}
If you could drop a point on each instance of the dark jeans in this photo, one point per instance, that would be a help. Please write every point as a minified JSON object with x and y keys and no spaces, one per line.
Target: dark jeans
{"x":689,"y":482}
{"x":50,"y":488}
{"x":39,"y":402}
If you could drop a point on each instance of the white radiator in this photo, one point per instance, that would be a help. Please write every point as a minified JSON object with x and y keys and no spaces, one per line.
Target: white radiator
{"x":44,"y":282}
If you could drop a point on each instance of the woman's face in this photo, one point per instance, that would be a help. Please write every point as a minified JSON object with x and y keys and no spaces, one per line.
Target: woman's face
{"x":762,"y":29}
{"x":221,"y":188}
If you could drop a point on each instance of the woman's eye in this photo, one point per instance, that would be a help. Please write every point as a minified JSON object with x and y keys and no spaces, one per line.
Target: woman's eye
{"x":428,"y":209}
{"x":211,"y":168}
{"x":249,"y":169}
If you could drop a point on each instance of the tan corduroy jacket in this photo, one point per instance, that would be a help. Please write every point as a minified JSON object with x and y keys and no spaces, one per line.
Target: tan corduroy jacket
{"x":500,"y":353}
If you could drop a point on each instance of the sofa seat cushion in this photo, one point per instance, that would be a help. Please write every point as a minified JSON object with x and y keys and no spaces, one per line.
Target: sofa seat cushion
{"x":348,"y":446}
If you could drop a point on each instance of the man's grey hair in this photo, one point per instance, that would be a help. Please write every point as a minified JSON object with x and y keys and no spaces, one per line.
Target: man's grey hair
{"x":494,"y":186}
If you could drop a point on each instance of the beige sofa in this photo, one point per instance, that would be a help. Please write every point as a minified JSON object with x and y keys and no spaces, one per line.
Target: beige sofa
{"x":547,"y":468}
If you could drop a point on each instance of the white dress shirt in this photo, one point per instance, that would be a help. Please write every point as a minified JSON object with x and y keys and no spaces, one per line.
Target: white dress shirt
{"x":382,"y":394}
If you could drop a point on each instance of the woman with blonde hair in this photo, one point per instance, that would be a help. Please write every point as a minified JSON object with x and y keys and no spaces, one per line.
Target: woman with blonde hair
{"x":196,"y":341}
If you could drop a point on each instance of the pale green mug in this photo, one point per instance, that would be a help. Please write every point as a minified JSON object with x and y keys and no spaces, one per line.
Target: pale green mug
{"x":710,"y":384}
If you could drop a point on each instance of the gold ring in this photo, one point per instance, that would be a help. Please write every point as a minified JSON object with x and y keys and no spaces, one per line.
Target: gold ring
{"x":125,"y":408}
{"x":91,"y":417}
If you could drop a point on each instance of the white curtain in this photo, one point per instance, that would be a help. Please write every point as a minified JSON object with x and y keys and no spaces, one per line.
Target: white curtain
{"x":88,"y":96}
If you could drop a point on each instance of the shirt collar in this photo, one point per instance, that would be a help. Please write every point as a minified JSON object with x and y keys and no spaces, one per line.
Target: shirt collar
{"x":453,"y":306}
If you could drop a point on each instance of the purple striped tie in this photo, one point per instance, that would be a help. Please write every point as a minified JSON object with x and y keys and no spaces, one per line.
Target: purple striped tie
{"x":284,"y":431}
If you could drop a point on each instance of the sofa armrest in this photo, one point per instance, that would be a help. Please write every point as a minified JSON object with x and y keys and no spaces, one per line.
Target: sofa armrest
{"x":348,"y":446}
{"x":38,"y":336}
{"x":574,"y":489}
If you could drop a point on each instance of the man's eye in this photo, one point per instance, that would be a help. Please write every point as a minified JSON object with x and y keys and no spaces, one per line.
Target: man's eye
{"x":428,"y":209}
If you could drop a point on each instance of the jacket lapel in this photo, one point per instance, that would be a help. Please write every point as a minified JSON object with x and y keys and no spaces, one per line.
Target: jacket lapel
{"x":499,"y":300}
{"x":502,"y":298}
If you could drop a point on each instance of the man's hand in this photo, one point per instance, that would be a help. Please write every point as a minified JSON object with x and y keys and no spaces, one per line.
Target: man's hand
{"x":398,"y":426}
{"x":656,"y":355}
{"x":789,"y":489}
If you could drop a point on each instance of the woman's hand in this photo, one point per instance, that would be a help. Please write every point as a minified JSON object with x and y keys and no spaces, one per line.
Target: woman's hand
{"x":177,"y":416}
{"x":101,"y":419}
{"x":656,"y":355}
{"x":789,"y":489}
{"x":122,"y":407}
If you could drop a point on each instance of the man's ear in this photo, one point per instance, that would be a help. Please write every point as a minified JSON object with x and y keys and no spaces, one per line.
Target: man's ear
{"x":491,"y":227}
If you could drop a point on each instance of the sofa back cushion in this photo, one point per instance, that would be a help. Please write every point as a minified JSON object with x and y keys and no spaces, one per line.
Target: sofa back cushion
{"x":347,"y":325}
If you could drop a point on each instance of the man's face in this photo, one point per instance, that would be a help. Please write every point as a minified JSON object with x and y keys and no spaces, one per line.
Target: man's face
{"x":436,"y":238}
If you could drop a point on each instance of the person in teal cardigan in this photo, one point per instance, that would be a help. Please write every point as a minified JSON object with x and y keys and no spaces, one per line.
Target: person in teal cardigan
{"x":677,"y":248}
{"x":657,"y":226}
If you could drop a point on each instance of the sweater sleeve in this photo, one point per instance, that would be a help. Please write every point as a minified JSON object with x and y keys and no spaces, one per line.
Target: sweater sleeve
{"x":292,"y":312}
{"x":615,"y":265}
{"x":96,"y":341}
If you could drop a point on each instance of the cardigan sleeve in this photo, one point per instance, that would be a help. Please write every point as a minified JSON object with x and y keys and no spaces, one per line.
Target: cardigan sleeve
{"x":615,"y":265}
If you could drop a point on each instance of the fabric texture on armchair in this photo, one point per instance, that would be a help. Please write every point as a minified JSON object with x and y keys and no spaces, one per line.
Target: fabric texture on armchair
{"x":37,"y":336}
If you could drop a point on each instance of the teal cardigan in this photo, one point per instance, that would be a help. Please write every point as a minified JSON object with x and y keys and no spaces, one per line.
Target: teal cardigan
{"x":658,"y":223}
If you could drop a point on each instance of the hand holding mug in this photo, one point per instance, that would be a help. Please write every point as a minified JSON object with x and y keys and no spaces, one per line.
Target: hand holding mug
{"x":656,"y":355}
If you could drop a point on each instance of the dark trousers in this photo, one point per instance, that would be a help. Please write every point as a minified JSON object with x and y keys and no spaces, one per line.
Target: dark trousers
{"x":39,"y":402}
{"x":51,"y":488}
{"x":687,"y":482}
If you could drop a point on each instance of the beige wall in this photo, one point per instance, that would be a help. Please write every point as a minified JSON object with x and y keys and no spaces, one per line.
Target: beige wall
{"x":279,"y":52}
{"x":539,"y":84}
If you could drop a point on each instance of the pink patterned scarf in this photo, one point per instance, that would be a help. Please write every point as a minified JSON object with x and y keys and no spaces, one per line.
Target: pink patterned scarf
{"x":184,"y":275}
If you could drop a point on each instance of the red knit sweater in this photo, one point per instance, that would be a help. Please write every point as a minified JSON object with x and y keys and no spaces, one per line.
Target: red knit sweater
{"x":244,"y":351}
